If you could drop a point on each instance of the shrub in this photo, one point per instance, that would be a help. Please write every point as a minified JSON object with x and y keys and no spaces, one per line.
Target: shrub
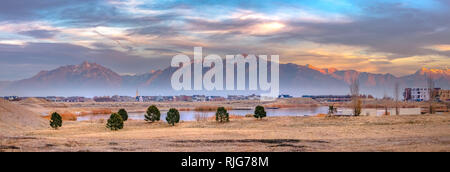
{"x":55,"y":120}
{"x":115,"y":122}
{"x":332,"y":110}
{"x":124,"y":114}
{"x":222,"y":115}
{"x":260,"y":112}
{"x":153,"y":114}
{"x":173,"y":116}
{"x":200,"y":116}
{"x":249,"y":115}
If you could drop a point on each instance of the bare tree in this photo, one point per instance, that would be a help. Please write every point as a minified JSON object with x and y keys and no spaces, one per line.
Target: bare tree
{"x":354,"y":91}
{"x":396,"y":97}
{"x":385,"y":102}
{"x":431,"y":93}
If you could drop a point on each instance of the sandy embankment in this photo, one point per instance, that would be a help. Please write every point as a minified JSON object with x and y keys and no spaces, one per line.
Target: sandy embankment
{"x":16,"y":118}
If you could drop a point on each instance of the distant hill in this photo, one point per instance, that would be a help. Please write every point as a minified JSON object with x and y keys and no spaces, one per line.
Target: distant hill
{"x":90,"y":79}
{"x":68,"y":80}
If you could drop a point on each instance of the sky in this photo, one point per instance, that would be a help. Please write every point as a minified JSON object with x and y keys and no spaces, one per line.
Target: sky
{"x":138,"y":36}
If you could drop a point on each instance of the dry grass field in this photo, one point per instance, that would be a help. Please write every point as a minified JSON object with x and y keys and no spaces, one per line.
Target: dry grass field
{"x":23,"y":128}
{"x":387,"y":133}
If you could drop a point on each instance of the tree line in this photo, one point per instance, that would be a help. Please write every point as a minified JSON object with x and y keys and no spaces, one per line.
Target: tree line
{"x":116,"y":120}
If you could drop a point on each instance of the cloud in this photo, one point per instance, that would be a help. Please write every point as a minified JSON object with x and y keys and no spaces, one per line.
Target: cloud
{"x":385,"y":27}
{"x":40,"y":34}
{"x":29,"y":10}
{"x":369,"y":35}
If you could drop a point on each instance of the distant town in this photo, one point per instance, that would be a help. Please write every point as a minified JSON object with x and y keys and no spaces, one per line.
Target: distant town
{"x":409,"y":94}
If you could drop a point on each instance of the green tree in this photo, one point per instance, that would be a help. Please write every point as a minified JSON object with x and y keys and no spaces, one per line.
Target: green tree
{"x":55,"y":120}
{"x":222,"y":115}
{"x":173,"y":116}
{"x":124,"y":114}
{"x":331,"y":110}
{"x":153,"y":114}
{"x":115,"y":122}
{"x":260,"y":112}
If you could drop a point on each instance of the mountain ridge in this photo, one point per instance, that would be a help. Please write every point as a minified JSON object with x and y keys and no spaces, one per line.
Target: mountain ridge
{"x":94,"y":79}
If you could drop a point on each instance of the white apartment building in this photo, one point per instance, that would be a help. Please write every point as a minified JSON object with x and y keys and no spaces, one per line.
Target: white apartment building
{"x":417,"y":94}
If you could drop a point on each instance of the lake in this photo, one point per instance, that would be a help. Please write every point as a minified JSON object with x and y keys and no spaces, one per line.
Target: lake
{"x":190,"y":115}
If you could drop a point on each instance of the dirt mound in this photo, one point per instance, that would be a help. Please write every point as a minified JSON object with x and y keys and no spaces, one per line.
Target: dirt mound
{"x":16,"y":118}
{"x":34,"y":101}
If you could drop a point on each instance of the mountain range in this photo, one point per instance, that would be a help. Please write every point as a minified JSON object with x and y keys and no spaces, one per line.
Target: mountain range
{"x":91,"y":79}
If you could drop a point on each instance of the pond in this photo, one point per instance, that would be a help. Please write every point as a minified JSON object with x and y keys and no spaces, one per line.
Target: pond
{"x":191,"y":115}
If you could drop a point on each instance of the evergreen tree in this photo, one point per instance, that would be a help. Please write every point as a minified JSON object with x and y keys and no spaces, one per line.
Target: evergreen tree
{"x":222,"y":115}
{"x":260,"y":112}
{"x":173,"y":116}
{"x":124,"y":114}
{"x":152,"y":114}
{"x":55,"y":120}
{"x":115,"y":122}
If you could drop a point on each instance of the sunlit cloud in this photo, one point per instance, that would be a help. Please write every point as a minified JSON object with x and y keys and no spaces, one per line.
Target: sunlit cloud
{"x":13,"y":42}
{"x":443,"y":47}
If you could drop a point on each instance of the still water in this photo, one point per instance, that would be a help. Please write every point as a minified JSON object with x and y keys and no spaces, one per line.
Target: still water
{"x":190,"y":115}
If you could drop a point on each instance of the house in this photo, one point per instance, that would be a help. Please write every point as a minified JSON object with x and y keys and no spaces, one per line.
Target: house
{"x":215,"y":98}
{"x":284,"y":96}
{"x":253,"y":97}
{"x":74,"y":99}
{"x":103,"y":99}
{"x":199,"y":98}
{"x":54,"y":99}
{"x":183,"y":98}
{"x":11,"y":98}
{"x":236,"y":97}
{"x":330,"y":98}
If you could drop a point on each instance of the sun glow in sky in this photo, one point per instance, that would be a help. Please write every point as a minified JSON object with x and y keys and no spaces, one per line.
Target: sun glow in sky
{"x":136,"y":36}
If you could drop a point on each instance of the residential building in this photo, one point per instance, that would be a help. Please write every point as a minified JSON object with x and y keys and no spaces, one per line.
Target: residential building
{"x":253,"y":97}
{"x":117,"y":98}
{"x":330,"y":98}
{"x":103,"y":99}
{"x":418,"y":94}
{"x":444,"y":95}
{"x":54,"y":99}
{"x":74,"y":99}
{"x":236,"y":97}
{"x":183,"y":98}
{"x":284,"y":96}
{"x":199,"y":98}
{"x":215,"y":98}
{"x":11,"y":98}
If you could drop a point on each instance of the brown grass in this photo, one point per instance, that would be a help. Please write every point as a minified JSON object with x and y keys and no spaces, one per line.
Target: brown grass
{"x":66,"y":116}
{"x":209,"y":108}
{"x":231,"y":116}
{"x":321,"y":115}
{"x":199,"y":117}
{"x":276,"y":105}
{"x":96,"y":112}
{"x":278,"y":134}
